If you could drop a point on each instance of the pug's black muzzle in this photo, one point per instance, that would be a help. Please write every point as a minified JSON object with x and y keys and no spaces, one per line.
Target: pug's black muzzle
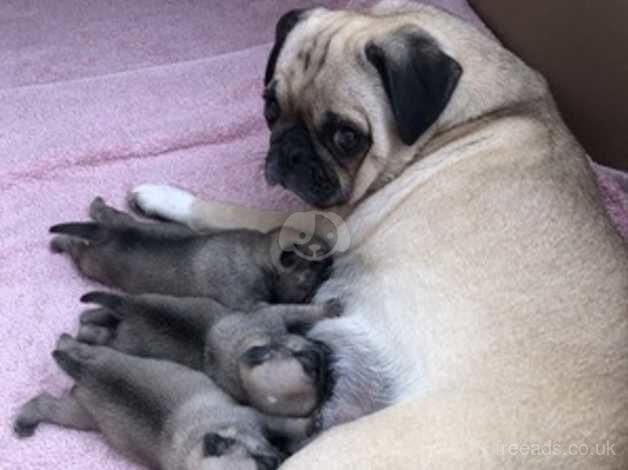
{"x":293,"y":163}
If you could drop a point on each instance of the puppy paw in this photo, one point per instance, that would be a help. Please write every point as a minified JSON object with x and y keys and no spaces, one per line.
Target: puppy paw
{"x":163,"y":201}
{"x":28,"y":418}
{"x":334,"y":308}
{"x":24,"y":427}
{"x":93,"y":334}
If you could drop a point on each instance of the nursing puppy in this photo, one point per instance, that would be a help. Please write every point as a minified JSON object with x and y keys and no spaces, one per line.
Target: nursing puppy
{"x":253,"y":356}
{"x":486,"y":289}
{"x":240,"y":268}
{"x":184,"y":423}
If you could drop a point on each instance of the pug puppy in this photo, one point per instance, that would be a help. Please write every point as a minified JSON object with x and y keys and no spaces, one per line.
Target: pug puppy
{"x":486,"y":288}
{"x":239,"y":268}
{"x":255,"y":357}
{"x":184,"y":423}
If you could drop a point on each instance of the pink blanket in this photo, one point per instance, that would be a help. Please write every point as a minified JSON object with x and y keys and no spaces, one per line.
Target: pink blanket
{"x":95,"y":97}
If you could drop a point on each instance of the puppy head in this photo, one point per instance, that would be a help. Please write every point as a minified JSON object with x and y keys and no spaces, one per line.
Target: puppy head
{"x":301,"y":263}
{"x":233,"y":448}
{"x":256,"y":360}
{"x":343,"y":92}
{"x":283,"y":375}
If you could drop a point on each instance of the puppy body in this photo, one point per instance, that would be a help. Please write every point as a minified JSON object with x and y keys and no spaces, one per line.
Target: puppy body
{"x":184,"y":423}
{"x":484,"y":275}
{"x":239,"y":268}
{"x":252,"y":356}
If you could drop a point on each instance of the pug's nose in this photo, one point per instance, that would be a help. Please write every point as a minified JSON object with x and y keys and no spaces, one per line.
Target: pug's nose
{"x":293,"y":157}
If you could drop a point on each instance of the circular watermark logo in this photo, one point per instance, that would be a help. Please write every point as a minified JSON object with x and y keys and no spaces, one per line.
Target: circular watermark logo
{"x":314,"y":235}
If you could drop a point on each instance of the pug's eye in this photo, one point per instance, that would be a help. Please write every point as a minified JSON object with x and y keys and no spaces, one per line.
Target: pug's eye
{"x":347,"y":139}
{"x":271,"y":110}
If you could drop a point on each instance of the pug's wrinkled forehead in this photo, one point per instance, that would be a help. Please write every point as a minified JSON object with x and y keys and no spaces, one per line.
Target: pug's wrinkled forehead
{"x":343,"y":90}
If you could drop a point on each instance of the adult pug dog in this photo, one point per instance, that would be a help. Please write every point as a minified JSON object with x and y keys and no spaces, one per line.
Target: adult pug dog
{"x":486,"y":291}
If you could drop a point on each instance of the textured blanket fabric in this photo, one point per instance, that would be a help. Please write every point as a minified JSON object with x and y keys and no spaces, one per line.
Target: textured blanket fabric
{"x":97,"y":96}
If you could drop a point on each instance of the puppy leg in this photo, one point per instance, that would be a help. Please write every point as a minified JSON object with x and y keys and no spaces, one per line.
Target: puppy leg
{"x":153,"y":325}
{"x":107,"y":215}
{"x":99,"y":317}
{"x":73,"y":357}
{"x":294,"y":315}
{"x":65,"y":411}
{"x":93,"y":334}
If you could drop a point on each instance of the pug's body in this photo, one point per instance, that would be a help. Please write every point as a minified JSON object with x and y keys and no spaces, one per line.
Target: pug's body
{"x":255,"y":357}
{"x":184,"y":423}
{"x":486,"y":289}
{"x":239,"y":268}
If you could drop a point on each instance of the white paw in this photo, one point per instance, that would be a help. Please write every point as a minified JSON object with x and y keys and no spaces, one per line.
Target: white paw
{"x":162,"y":200}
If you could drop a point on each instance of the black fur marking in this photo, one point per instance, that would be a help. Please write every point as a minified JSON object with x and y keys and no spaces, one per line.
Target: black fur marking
{"x":214,"y":445}
{"x":419,"y":79}
{"x":285,"y":24}
{"x":87,"y":230}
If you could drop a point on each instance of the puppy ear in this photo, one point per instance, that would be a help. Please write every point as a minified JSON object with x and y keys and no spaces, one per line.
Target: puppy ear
{"x":419,"y":79}
{"x":214,"y":445}
{"x":285,"y":24}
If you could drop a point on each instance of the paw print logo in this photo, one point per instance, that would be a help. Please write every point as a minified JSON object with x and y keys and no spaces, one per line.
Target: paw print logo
{"x":319,"y":235}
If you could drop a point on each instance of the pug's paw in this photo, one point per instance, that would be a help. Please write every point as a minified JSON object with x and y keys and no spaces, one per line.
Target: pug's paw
{"x":162,"y":201}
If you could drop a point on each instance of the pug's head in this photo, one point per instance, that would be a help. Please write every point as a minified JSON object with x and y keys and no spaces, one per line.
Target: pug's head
{"x":345,"y":93}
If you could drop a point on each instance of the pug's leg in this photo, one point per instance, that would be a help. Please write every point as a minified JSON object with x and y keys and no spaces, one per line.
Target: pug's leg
{"x":65,"y":411}
{"x":175,"y":204}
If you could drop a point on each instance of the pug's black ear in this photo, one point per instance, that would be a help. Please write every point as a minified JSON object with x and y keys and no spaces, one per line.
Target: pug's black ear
{"x":214,"y":445}
{"x":419,"y":79}
{"x":285,"y":24}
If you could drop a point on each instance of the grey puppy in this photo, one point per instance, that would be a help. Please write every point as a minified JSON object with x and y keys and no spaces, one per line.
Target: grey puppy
{"x":185,"y":423}
{"x":240,"y":268}
{"x":255,"y":357}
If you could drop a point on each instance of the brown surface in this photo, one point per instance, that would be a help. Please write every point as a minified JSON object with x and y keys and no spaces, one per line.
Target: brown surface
{"x":581,"y":46}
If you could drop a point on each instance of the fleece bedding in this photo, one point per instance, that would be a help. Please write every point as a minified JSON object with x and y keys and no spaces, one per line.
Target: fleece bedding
{"x":98,"y":96}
